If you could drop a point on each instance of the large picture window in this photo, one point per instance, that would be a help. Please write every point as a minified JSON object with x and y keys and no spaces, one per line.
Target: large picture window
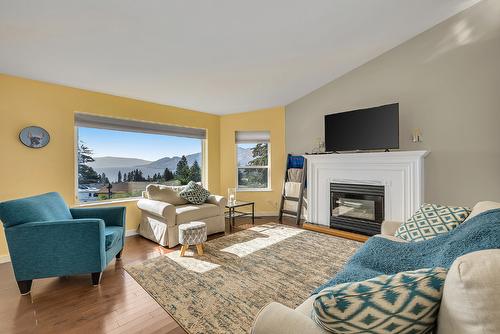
{"x":252,"y":150}
{"x":117,"y":159}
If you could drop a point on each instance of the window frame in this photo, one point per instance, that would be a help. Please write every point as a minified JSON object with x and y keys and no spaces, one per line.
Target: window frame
{"x":268,"y":167}
{"x":203,"y":165}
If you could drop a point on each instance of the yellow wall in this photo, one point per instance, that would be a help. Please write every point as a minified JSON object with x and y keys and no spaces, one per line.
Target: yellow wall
{"x":273,"y":120}
{"x":25,"y":171}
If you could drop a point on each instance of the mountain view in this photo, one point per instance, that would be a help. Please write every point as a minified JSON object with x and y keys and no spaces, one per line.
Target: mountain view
{"x":111,"y":165}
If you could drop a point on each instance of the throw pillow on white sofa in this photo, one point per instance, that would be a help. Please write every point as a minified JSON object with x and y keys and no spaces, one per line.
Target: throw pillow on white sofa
{"x":194,"y":193}
{"x":403,"y":303}
{"x":432,"y":220}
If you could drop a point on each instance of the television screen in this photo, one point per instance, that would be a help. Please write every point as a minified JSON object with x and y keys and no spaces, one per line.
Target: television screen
{"x":365,"y":129}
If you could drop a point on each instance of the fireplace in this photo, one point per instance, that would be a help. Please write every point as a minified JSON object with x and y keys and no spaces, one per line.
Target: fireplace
{"x":356,"y":208}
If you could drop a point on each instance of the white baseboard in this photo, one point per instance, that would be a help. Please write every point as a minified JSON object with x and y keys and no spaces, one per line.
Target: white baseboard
{"x":266,"y":214}
{"x":4,"y":259}
{"x":129,"y":233}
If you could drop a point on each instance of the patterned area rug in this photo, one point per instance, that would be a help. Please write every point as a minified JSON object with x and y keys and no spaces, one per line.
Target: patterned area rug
{"x":223,"y":290}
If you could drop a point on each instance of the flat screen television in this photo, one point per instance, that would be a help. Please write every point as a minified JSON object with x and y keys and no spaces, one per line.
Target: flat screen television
{"x":364,"y":129}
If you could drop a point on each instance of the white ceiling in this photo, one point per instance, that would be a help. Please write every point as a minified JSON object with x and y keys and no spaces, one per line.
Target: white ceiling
{"x":217,"y":56}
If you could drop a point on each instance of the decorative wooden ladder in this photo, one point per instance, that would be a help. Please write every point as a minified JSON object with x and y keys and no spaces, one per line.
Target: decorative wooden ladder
{"x":298,"y":162}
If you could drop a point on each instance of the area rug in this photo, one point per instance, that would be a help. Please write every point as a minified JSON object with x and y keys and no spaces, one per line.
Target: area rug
{"x":223,"y":290}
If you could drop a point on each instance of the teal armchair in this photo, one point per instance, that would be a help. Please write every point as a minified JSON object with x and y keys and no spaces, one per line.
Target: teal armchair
{"x":48,"y":239}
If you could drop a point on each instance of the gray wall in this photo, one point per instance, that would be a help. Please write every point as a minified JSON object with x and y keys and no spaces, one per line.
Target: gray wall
{"x":447,"y":81}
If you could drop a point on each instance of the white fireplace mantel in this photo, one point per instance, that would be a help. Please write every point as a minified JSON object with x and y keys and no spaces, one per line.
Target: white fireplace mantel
{"x":400,"y":172}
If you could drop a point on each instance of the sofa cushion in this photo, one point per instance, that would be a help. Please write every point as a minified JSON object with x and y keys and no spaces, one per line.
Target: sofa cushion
{"x":471,"y":295}
{"x":430,"y":221}
{"x":276,"y":318}
{"x":168,"y":194}
{"x":190,"y":212}
{"x":306,"y":307}
{"x":481,"y":207}
{"x":406,"y":302}
{"x":194,"y":193}
{"x":112,"y":235}
{"x":40,"y":208}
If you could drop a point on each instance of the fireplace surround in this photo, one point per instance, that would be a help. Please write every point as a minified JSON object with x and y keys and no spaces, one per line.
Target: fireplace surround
{"x":401,"y":173}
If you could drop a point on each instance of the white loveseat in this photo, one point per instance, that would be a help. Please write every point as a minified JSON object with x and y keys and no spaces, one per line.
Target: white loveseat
{"x":470,"y":303}
{"x":163,"y":211}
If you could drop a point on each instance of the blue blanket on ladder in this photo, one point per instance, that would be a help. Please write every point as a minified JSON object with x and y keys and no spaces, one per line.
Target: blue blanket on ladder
{"x":380,"y":256}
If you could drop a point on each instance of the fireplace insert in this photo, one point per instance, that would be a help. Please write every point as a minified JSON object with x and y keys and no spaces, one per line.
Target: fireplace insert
{"x":356,"y":208}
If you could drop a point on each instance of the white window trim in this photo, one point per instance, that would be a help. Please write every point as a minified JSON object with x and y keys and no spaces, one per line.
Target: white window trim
{"x":268,"y":188}
{"x":204,"y":168}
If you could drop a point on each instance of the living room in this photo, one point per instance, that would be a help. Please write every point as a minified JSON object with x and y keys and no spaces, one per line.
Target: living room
{"x":182,"y":167}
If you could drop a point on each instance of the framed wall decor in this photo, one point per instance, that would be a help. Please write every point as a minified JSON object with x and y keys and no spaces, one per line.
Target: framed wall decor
{"x":34,"y":137}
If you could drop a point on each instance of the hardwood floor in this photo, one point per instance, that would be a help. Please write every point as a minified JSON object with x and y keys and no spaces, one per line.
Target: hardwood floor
{"x":73,"y":305}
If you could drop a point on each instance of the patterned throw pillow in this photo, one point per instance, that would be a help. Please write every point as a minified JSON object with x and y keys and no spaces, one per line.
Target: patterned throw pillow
{"x":406,"y":302}
{"x":430,"y":221}
{"x":194,"y":193}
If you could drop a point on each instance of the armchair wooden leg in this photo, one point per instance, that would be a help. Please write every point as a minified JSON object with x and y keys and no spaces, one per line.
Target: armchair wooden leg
{"x":24,"y":287}
{"x":96,"y":278}
{"x":119,"y":255}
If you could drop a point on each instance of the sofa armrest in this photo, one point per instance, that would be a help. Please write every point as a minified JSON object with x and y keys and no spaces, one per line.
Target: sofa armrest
{"x":220,"y":201}
{"x":158,"y":208}
{"x":390,"y":227}
{"x":470,"y":302}
{"x":57,"y":248}
{"x":276,"y":318}
{"x":112,"y":216}
{"x":217,"y":200}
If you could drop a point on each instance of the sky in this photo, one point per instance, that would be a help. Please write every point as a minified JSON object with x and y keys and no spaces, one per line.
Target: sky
{"x":111,"y":143}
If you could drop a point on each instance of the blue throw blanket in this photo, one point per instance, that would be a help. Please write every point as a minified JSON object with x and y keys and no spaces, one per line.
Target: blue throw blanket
{"x":379,"y":256}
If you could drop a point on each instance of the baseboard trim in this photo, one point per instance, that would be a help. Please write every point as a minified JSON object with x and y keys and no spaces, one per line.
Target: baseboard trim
{"x":302,"y":216}
{"x":266,"y":214}
{"x":4,"y":259}
{"x":129,"y":233}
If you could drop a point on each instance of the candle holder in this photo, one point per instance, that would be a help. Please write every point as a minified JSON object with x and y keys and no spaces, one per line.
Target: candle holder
{"x":231,"y":196}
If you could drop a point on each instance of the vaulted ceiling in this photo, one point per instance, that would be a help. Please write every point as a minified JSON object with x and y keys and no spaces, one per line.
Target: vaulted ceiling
{"x":217,"y":56}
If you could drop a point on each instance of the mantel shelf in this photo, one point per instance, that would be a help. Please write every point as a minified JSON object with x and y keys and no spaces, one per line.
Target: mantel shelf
{"x":368,"y":155}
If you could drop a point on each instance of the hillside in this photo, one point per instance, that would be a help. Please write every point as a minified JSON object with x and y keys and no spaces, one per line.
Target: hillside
{"x":111,"y":165}
{"x":106,"y":162}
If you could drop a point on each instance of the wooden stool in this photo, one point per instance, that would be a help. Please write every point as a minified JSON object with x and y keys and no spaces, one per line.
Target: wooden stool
{"x":194,"y":233}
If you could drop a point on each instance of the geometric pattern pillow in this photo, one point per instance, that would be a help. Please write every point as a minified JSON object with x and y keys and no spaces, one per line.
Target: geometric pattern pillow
{"x":194,"y":193}
{"x":407,"y":302}
{"x":430,"y":221}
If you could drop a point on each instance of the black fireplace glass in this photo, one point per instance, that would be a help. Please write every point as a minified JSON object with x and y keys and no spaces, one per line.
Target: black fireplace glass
{"x":354,"y":208}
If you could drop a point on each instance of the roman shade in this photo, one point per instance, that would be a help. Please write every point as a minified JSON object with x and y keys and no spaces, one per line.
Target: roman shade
{"x":110,"y":123}
{"x":252,"y":137}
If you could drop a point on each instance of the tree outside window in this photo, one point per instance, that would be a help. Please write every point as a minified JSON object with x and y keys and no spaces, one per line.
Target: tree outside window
{"x":253,"y":166}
